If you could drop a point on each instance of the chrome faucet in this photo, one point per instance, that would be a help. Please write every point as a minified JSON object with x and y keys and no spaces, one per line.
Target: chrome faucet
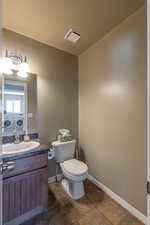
{"x":16,"y":138}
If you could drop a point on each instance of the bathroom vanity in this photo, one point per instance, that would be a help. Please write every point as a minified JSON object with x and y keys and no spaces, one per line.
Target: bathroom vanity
{"x":25,"y":185}
{"x":25,"y":164}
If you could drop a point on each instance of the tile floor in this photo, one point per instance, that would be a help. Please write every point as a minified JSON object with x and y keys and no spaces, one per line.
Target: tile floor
{"x":96,"y":208}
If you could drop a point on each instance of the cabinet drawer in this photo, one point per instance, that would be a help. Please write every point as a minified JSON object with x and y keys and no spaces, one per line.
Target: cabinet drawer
{"x":27,"y":164}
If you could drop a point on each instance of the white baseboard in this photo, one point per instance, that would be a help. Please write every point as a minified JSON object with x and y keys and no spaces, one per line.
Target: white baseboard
{"x":53,"y":179}
{"x":119,"y":200}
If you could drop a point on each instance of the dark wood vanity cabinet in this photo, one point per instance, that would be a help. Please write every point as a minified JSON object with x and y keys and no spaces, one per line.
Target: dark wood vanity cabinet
{"x":25,"y":189}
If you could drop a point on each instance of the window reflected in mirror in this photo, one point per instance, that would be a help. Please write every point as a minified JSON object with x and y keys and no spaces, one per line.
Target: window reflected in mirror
{"x":15,"y":106}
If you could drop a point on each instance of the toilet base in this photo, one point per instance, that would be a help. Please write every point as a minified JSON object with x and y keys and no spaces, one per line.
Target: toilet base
{"x":74,"y":189}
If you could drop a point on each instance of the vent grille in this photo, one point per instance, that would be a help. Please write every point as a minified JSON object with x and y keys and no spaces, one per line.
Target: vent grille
{"x":72,"y":36}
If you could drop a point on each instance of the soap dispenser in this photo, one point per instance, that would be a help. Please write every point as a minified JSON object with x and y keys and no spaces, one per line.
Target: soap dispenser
{"x":26,"y":137}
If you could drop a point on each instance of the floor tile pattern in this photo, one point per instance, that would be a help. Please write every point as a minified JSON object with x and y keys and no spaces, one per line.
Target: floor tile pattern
{"x":95,"y":208}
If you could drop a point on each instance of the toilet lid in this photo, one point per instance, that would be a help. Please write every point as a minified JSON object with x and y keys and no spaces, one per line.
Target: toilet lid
{"x":58,"y":143}
{"x":75,"y":166}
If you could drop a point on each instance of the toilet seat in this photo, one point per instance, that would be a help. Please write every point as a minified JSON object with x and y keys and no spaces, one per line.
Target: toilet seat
{"x":74,"y":178}
{"x":74,"y":167}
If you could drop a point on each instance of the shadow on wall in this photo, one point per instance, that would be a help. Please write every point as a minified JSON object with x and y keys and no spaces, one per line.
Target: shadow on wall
{"x":80,"y":154}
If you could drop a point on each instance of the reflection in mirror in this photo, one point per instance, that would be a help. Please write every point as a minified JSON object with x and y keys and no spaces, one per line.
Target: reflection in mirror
{"x":15,"y":106}
{"x":19,"y":104}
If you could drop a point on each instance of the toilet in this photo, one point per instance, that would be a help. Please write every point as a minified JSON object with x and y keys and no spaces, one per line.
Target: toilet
{"x":74,"y":171}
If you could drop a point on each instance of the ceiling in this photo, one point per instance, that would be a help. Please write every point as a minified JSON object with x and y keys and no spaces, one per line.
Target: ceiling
{"x":48,"y":21}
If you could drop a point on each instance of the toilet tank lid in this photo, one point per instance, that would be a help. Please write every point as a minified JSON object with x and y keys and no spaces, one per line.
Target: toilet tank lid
{"x":59,"y":143}
{"x":75,"y":167}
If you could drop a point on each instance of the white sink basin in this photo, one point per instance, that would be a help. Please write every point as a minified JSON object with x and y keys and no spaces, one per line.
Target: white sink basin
{"x":21,"y":147}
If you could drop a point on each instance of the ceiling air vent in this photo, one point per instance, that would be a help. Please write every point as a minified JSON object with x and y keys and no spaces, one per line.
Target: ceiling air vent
{"x":72,"y":36}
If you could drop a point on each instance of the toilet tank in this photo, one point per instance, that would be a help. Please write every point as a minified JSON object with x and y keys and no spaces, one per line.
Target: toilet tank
{"x":64,"y":150}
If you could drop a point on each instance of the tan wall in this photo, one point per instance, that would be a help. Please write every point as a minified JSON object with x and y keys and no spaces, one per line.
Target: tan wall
{"x":112,"y":109}
{"x":32,"y":102}
{"x":57,"y":84}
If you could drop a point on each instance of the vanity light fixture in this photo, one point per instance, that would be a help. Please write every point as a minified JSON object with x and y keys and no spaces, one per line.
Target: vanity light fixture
{"x":12,"y":62}
{"x":23,"y":68}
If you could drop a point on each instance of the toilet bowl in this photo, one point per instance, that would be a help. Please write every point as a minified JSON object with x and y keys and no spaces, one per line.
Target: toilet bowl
{"x":74,"y":171}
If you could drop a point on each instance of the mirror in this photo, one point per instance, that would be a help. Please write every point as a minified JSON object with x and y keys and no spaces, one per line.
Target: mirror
{"x":19,"y":104}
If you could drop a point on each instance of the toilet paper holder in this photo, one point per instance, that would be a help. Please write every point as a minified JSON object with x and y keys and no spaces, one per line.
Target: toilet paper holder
{"x":51,"y":154}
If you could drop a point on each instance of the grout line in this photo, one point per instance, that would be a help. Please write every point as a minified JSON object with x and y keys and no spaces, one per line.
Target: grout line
{"x":97,"y":208}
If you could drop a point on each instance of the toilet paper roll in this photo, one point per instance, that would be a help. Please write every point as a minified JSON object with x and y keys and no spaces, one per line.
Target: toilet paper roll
{"x":51,"y":154}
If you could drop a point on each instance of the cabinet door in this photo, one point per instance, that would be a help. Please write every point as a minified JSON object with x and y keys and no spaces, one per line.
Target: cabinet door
{"x":24,"y":196}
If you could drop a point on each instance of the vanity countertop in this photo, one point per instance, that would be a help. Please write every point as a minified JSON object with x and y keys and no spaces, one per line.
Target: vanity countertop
{"x":36,"y":151}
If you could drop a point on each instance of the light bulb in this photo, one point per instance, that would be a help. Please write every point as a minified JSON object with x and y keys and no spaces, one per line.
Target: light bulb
{"x":6,"y":66}
{"x":24,"y":67}
{"x":22,"y":74}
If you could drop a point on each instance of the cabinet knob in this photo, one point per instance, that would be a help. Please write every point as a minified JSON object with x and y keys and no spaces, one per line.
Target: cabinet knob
{"x":10,"y":166}
{"x":1,"y":167}
{"x":7,"y":166}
